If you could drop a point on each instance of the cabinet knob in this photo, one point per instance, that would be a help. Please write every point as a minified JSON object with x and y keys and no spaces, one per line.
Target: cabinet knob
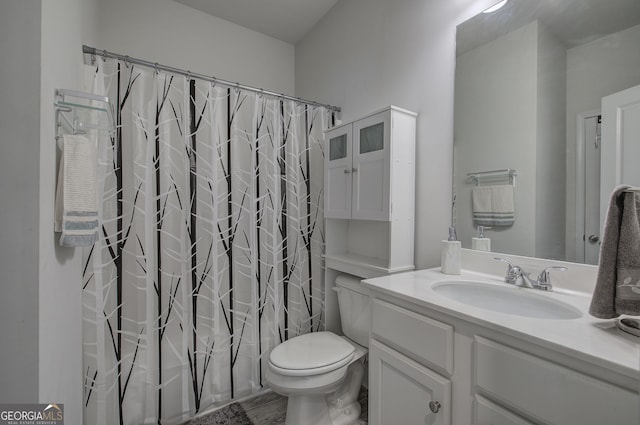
{"x":435,"y":406}
{"x":347,"y":171}
{"x":355,"y":170}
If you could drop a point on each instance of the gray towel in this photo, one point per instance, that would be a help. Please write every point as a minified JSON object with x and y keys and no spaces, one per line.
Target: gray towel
{"x":618,"y":284}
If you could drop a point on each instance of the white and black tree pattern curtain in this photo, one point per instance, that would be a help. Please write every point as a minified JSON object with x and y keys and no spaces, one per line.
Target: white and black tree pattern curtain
{"x":210,"y":247}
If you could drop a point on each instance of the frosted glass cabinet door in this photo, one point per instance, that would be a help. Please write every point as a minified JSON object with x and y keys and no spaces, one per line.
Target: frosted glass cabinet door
{"x":371,"y":167}
{"x":337,"y":176}
{"x":402,"y":391}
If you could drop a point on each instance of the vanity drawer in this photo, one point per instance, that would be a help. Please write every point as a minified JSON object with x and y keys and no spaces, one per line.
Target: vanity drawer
{"x":549,"y":392}
{"x":426,"y":340}
{"x":488,"y":413}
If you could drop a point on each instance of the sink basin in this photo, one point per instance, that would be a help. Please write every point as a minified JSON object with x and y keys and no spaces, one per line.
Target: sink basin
{"x":504,"y":299}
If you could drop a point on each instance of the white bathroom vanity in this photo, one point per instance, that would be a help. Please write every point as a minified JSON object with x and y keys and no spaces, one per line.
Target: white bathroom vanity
{"x":471,"y":349}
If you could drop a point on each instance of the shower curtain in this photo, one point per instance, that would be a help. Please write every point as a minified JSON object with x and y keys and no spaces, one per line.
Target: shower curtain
{"x":210,"y":246}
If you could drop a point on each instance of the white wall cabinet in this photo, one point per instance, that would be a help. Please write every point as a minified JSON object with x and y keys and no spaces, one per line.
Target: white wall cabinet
{"x":338,"y":172}
{"x":362,"y":160}
{"x":369,"y":199}
{"x":481,"y":376}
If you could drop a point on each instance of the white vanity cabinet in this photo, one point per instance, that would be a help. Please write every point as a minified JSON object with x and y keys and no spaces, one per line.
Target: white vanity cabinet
{"x":469,"y":374}
{"x":370,"y":165}
{"x":409,"y":381}
{"x":544,"y":390}
{"x":404,"y":391}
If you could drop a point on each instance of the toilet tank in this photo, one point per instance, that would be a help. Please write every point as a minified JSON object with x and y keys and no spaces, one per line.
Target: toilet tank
{"x":353,"y":302}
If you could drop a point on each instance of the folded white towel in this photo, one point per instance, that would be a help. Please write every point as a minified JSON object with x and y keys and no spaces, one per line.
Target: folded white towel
{"x":76,"y":209}
{"x":493,"y":205}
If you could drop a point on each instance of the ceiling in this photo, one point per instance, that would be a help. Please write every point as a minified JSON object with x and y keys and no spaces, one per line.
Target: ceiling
{"x":286,"y":20}
{"x":574,"y":22}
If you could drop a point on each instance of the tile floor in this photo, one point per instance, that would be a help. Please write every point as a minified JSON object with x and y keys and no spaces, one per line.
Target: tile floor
{"x":267,"y":408}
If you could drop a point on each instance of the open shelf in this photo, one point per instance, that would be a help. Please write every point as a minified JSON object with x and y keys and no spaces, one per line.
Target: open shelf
{"x":361,"y":265}
{"x":77,"y":112}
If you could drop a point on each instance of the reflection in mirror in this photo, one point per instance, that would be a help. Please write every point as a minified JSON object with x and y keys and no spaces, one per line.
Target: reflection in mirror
{"x":530,"y":79}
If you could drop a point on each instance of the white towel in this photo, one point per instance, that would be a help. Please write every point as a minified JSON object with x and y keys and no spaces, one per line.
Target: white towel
{"x":76,"y":208}
{"x":493,"y":205}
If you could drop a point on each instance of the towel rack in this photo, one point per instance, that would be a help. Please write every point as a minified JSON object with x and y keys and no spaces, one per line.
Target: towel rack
{"x":635,"y":189}
{"x":478,"y":176}
{"x":82,"y":111}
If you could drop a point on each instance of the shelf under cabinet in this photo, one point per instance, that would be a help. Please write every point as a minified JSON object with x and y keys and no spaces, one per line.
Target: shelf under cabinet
{"x":361,"y":265}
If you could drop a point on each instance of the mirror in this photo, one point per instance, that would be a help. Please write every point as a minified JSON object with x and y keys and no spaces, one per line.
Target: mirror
{"x":530,"y":78}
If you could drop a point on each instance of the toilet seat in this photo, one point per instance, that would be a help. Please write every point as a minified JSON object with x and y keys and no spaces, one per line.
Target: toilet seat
{"x":311,"y":354}
{"x":314,"y":371}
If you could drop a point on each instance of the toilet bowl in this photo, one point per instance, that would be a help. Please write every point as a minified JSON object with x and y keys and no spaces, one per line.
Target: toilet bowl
{"x":321,"y":373}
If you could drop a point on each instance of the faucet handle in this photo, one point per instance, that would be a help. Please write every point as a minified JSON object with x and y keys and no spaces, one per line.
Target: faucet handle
{"x":544,"y":279}
{"x":504,"y":260}
{"x":512,"y":272}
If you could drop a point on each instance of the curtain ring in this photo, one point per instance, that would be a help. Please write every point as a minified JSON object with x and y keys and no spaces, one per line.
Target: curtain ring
{"x":155,"y":67}
{"x":104,"y":56}
{"x":93,"y":59}
{"x":237,"y":88}
{"x":213,"y":82}
{"x":126,"y":61}
{"x":188,"y":75}
{"x":261,"y":94}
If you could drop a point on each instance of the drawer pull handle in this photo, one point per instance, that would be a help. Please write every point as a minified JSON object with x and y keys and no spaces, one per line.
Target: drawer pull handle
{"x":355,"y":170}
{"x":435,"y":406}
{"x":347,"y":171}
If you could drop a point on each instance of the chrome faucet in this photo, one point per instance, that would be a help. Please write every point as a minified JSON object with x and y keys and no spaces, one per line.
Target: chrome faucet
{"x":517,"y":276}
{"x":544,"y":279}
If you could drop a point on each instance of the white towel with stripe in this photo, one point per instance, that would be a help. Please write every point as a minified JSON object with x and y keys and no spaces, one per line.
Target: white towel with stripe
{"x":493,"y":205}
{"x":76,"y":209}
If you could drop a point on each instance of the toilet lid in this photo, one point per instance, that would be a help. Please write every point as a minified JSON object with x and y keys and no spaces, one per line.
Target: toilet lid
{"x":311,"y":351}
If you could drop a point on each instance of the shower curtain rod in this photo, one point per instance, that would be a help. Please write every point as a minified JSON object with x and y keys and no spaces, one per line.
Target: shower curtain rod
{"x":127,"y":59}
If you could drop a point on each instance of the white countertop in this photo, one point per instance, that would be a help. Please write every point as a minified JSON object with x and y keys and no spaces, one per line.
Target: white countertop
{"x":593,"y":340}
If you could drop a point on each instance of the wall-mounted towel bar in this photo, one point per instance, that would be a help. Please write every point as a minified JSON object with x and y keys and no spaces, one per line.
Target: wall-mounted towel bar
{"x":479,"y":176}
{"x":79,"y":111}
{"x":635,"y":189}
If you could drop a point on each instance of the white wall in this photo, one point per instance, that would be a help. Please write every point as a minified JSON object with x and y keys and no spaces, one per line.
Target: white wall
{"x":366,"y":54}
{"x":40,"y":310}
{"x":594,"y":70}
{"x":496,"y":128}
{"x":19,"y":145}
{"x":66,"y":24}
{"x":550,"y":150}
{"x":173,"y":34}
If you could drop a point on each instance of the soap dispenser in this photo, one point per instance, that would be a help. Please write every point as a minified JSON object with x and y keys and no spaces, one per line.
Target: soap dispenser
{"x":450,"y":258}
{"x":480,"y":242}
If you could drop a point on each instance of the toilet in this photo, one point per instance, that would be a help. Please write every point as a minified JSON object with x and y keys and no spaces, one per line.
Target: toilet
{"x":321,"y":372}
